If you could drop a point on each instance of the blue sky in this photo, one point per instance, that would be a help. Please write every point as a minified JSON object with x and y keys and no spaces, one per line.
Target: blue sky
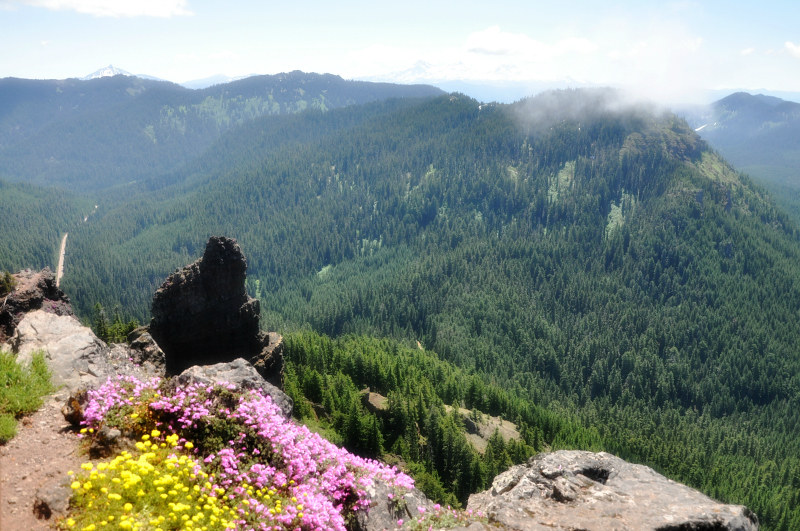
{"x":669,"y":50}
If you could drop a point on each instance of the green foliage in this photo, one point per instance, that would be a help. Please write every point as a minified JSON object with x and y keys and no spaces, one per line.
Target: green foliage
{"x":8,"y":427}
{"x":7,"y":283}
{"x":112,"y":132}
{"x":33,"y":221}
{"x":115,"y":330}
{"x":324,"y":377}
{"x":21,"y":390}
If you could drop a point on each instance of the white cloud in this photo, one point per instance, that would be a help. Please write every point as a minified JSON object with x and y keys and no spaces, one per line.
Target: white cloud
{"x":494,"y":41}
{"x":747,"y":51}
{"x":793,"y":48}
{"x":225,"y":55}
{"x":490,"y":54}
{"x":117,"y":8}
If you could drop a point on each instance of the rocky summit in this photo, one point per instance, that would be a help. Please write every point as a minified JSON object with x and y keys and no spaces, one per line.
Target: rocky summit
{"x":202,"y":315}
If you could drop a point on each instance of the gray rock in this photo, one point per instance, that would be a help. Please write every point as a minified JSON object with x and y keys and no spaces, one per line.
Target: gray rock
{"x":384,"y":512}
{"x":269,"y":361}
{"x":599,"y":491}
{"x":145,"y":350}
{"x":74,"y":354}
{"x":76,"y":357}
{"x":52,"y":501}
{"x":240,"y":373}
{"x":107,"y":442}
{"x":33,"y":290}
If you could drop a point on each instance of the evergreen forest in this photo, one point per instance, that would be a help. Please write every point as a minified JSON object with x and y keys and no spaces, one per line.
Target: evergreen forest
{"x":586,"y":268}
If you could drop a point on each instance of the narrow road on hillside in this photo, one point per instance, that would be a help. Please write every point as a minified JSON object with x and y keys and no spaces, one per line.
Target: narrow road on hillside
{"x":60,"y":268}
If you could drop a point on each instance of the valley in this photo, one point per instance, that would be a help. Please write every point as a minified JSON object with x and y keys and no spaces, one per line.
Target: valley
{"x":586,"y":268}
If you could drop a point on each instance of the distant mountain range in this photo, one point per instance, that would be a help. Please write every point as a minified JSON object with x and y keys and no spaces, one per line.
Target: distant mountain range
{"x":92,"y":134}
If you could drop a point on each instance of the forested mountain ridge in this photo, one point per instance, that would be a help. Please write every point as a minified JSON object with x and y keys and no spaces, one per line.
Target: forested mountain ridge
{"x":585,"y":255}
{"x":32,"y":223}
{"x":94,"y":134}
{"x":759,"y":135}
{"x":756,"y":133}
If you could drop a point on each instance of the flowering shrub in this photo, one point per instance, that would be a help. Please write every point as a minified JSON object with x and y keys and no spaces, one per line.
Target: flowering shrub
{"x":211,"y":459}
{"x":156,"y":490}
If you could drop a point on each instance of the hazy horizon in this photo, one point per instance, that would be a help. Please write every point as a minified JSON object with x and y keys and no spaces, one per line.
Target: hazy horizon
{"x":675,"y":51}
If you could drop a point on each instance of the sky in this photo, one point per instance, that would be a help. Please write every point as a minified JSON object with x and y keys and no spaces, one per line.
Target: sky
{"x":670,"y":51}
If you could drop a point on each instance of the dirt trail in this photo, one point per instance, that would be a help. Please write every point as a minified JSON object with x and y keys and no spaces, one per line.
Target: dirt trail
{"x":39,"y":456}
{"x":61,"y":253}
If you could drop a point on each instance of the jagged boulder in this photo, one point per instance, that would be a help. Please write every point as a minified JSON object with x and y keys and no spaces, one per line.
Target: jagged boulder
{"x":33,"y":290}
{"x":572,"y":489}
{"x":202,"y":315}
{"x":145,"y":350}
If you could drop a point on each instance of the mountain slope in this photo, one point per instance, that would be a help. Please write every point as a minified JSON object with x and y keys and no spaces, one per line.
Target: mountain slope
{"x":32,"y":222}
{"x":588,"y":255}
{"x":95,"y":134}
{"x":757,"y":133}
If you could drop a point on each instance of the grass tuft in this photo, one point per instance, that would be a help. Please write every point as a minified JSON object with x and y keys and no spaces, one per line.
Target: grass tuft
{"x":21,"y":390}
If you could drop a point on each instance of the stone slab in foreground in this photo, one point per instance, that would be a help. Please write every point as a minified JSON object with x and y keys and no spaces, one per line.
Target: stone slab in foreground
{"x":572,"y":489}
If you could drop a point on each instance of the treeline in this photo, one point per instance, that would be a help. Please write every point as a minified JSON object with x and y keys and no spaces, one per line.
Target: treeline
{"x":328,"y":380}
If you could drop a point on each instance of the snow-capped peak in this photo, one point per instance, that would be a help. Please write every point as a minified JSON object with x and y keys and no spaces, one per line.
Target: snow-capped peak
{"x":108,"y":71}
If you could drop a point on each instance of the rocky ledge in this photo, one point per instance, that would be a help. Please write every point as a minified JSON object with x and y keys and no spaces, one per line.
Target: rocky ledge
{"x":572,"y":489}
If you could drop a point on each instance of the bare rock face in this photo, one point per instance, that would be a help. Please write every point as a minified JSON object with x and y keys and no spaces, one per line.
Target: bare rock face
{"x":52,"y":500}
{"x":572,"y":489}
{"x":77,"y":358}
{"x":74,"y":354}
{"x":34,"y":290}
{"x":201,"y":315}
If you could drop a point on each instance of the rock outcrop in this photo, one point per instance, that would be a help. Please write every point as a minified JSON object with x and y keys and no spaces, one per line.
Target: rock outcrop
{"x":572,"y":489}
{"x":202,"y":315}
{"x":33,"y":290}
{"x":77,"y":358}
